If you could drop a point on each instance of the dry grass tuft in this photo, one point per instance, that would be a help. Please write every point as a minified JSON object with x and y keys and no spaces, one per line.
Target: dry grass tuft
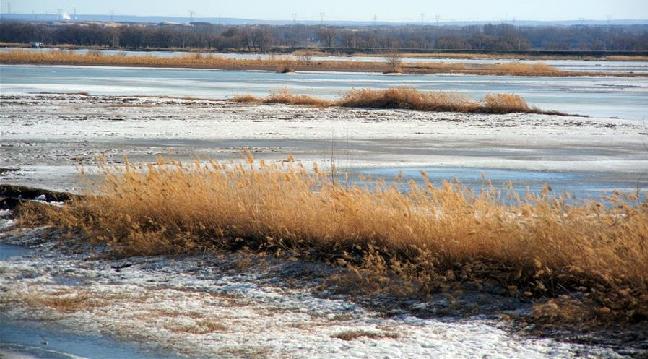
{"x":535,"y":245}
{"x":357,"y":334}
{"x":404,"y":98}
{"x":66,"y":303}
{"x":284,"y":96}
{"x":203,"y":326}
{"x":408,"y":98}
{"x":505,"y":103}
{"x":523,"y":69}
{"x":247,"y":99}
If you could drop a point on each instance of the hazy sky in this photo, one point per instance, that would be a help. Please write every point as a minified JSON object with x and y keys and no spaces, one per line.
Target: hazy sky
{"x":383,"y":10}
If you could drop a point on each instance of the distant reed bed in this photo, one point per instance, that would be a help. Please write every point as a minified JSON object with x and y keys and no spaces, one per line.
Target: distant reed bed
{"x":282,"y":64}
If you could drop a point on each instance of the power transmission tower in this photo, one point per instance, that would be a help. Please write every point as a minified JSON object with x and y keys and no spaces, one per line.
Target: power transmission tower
{"x":191,"y":15}
{"x":115,"y":39}
{"x":322,"y":18}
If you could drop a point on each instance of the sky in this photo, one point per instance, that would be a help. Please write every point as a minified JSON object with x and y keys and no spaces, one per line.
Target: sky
{"x":358,"y":10}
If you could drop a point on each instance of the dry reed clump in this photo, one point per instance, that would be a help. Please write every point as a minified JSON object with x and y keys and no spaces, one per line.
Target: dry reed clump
{"x":247,"y":99}
{"x":286,"y":64}
{"x":535,"y":245}
{"x":408,"y":98}
{"x":524,"y":69}
{"x":404,"y":98}
{"x":626,"y":58}
{"x":202,"y":326}
{"x":358,"y":334}
{"x":514,"y":57}
{"x":63,"y":302}
{"x":505,"y":103}
{"x":284,"y":96}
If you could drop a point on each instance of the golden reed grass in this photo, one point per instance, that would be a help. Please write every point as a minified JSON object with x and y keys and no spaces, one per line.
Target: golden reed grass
{"x":282,"y":64}
{"x":535,"y":245}
{"x":512,"y":56}
{"x":404,"y":98}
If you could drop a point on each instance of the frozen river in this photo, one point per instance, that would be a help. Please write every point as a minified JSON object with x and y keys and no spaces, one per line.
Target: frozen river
{"x":592,"y":96}
{"x":43,"y":139}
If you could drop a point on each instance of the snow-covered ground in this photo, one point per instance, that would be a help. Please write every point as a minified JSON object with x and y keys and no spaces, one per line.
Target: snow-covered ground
{"x":242,"y":305}
{"x":237,"y":306}
{"x":44,"y":137}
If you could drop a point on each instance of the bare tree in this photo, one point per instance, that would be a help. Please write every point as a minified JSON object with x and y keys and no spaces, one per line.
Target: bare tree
{"x":327,"y":35}
{"x":394,"y":61}
{"x":305,"y":56}
{"x":488,"y":37}
{"x":350,"y":39}
{"x":262,"y":38}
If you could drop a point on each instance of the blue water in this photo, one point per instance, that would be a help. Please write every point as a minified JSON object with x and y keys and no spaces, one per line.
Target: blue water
{"x":35,"y":340}
{"x":593,"y":96}
{"x":8,"y":250}
{"x":43,"y":341}
{"x":579,"y":185}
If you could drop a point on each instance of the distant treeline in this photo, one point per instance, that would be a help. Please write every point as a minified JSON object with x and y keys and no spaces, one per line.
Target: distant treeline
{"x":498,"y":37}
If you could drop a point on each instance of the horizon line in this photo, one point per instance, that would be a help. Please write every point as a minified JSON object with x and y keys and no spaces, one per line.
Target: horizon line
{"x":315,"y":20}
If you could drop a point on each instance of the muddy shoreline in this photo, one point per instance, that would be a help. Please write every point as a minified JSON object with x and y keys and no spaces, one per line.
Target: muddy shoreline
{"x":261,"y":295}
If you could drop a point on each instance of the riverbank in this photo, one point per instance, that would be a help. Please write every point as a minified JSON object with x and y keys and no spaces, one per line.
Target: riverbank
{"x":285,"y":65}
{"x":250,"y":305}
{"x":439,"y":54}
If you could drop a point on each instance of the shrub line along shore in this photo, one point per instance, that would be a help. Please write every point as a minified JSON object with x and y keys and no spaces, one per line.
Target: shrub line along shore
{"x":200,"y":61}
